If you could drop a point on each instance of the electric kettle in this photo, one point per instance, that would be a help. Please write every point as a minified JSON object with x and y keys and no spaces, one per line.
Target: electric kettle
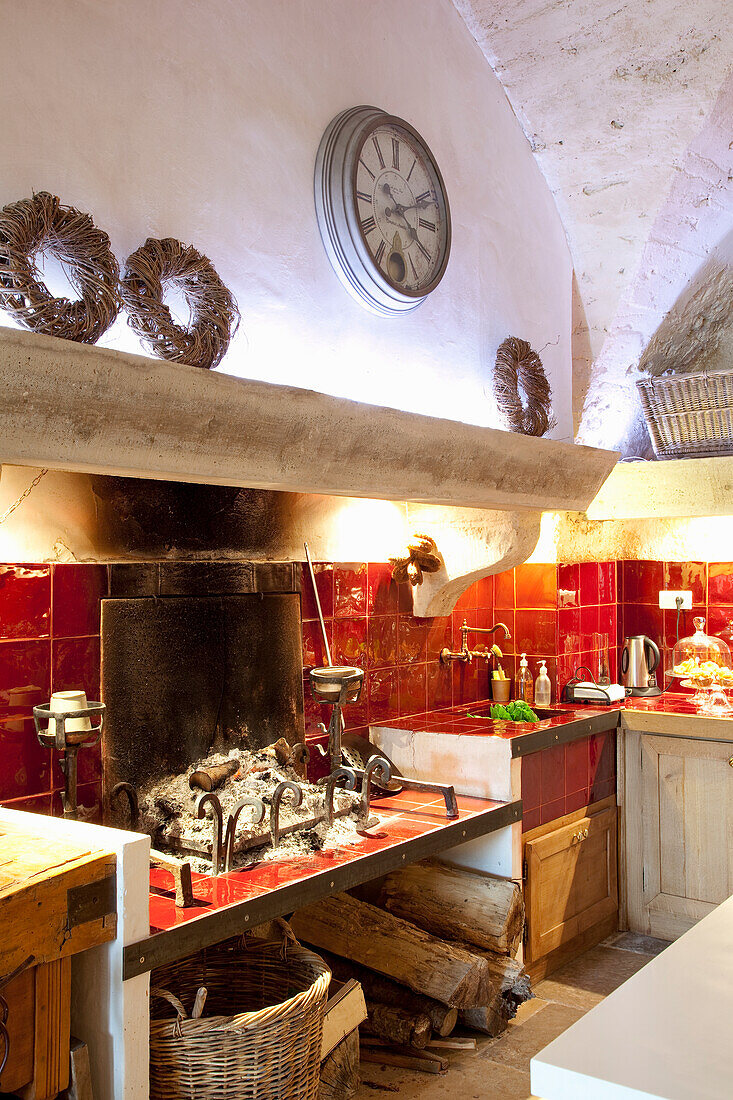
{"x":637,"y":673}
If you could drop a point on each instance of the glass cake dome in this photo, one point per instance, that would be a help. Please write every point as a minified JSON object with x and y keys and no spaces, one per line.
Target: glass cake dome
{"x":702,"y":659}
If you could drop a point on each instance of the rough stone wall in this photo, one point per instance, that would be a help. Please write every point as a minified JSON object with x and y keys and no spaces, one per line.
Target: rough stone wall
{"x":613,"y":98}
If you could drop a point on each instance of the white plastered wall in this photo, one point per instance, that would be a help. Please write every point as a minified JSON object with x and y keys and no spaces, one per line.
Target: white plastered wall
{"x":201,"y":120}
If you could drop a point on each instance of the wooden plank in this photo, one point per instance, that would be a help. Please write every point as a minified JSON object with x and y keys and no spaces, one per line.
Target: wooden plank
{"x":20,"y":995}
{"x":345,"y":1010}
{"x":671,"y":777}
{"x":101,"y":411}
{"x":47,"y":893}
{"x":52,"y":1031}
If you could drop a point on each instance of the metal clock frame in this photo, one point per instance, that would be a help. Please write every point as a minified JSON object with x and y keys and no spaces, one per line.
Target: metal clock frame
{"x":338,"y":218}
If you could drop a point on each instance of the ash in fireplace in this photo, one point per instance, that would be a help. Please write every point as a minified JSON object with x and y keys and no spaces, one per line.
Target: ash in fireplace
{"x":168,"y":811}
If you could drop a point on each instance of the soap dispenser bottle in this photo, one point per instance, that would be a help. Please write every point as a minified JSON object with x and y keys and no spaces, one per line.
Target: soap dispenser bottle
{"x":543,"y":687}
{"x":524,"y":683}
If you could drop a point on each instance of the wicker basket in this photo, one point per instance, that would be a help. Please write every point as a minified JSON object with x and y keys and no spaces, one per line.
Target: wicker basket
{"x":689,"y":415}
{"x":260,"y":1037}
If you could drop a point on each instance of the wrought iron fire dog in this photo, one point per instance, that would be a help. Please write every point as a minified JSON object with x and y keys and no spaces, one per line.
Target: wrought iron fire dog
{"x":224,"y":840}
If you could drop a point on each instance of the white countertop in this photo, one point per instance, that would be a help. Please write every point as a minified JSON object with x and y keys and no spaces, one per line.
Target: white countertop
{"x":665,"y":1033}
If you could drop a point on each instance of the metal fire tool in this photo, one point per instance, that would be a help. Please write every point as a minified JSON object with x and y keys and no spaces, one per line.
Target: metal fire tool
{"x":68,"y":743}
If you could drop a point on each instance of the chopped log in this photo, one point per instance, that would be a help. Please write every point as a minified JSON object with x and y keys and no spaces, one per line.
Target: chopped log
{"x":511,"y":988}
{"x":442,"y":1017}
{"x":449,"y":972}
{"x":398,"y":1026}
{"x":488,"y":1021}
{"x":340,"y":1070}
{"x":456,"y":904}
{"x":403,"y":1059}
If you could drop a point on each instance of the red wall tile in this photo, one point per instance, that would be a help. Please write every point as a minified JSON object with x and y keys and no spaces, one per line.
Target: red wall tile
{"x":324,"y":581}
{"x":25,"y":601}
{"x":536,"y":586}
{"x":589,"y":583}
{"x":643,"y":581}
{"x":568,"y":586}
{"x":75,"y":664}
{"x":77,"y":591}
{"x":504,"y":589}
{"x":536,"y":631}
{"x":688,"y":576}
{"x":349,"y":642}
{"x":382,"y":640}
{"x":607,"y":582}
{"x":349,"y":590}
{"x":25,"y":676}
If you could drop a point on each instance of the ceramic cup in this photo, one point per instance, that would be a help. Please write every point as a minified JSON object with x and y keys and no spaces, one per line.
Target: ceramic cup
{"x":64,"y":701}
{"x":501,"y":690}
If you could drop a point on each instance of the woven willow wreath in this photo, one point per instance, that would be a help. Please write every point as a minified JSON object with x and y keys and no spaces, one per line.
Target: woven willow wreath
{"x":214,"y":314}
{"x":42,"y":226}
{"x":517,"y":365}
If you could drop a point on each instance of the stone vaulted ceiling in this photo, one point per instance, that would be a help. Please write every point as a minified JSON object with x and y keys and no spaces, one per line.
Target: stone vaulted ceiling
{"x":610,"y":93}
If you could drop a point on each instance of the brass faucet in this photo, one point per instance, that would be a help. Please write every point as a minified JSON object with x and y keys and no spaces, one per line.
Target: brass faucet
{"x":465,"y":654}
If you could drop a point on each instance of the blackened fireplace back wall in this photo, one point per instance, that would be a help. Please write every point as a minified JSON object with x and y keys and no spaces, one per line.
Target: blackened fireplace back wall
{"x":198,"y":657}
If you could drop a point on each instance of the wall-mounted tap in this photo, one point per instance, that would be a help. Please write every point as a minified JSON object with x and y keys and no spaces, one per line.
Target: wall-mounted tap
{"x":465,"y":654}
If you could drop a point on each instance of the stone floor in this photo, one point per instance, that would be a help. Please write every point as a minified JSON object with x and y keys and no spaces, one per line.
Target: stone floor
{"x":499,"y":1068}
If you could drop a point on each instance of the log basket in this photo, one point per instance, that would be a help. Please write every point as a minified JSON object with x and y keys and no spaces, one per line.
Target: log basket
{"x":260,"y":1037}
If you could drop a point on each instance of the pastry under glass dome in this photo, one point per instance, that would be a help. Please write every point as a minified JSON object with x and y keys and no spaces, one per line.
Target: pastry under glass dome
{"x":703,"y":662}
{"x":702,"y":658}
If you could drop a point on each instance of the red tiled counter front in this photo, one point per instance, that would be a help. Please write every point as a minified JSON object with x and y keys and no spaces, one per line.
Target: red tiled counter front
{"x":412,"y":826}
{"x":568,"y":761}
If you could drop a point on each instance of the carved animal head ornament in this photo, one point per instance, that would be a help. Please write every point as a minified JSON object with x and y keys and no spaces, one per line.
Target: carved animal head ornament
{"x":423,"y":557}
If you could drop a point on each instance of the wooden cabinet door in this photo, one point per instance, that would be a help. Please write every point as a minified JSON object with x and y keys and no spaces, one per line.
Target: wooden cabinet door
{"x":679,"y":831}
{"x":571,"y":881}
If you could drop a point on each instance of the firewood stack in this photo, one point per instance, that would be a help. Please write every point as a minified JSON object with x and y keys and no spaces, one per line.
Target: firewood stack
{"x":432,"y":946}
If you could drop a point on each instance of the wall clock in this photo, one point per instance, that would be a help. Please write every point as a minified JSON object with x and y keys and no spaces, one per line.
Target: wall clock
{"x":382,"y":209}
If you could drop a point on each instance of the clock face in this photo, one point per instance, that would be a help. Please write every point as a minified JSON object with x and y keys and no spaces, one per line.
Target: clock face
{"x":382,"y":210}
{"x":401,"y":207}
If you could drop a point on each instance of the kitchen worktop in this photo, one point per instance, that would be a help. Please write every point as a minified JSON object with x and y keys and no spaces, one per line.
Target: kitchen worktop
{"x":671,"y":714}
{"x":568,"y":723}
{"x":412,"y":825}
{"x":664,"y":1033}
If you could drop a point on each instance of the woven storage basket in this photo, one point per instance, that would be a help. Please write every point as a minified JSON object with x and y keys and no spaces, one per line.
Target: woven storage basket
{"x":689,"y":415}
{"x":260,"y":1035}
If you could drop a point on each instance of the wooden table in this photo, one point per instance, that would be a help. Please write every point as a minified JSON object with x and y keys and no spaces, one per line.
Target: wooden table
{"x":57,"y":897}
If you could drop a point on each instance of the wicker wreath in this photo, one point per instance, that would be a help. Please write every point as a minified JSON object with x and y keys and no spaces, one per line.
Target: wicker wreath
{"x":42,"y":226}
{"x":214,"y":314}
{"x":518,"y":365}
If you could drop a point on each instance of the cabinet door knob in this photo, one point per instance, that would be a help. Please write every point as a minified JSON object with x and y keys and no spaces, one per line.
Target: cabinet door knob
{"x":730,"y":761}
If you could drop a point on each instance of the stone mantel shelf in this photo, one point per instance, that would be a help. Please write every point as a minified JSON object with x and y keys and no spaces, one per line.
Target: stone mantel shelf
{"x":69,"y":406}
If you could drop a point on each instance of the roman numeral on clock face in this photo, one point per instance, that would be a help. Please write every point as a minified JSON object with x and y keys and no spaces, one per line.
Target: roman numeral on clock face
{"x":422,"y":198}
{"x":379,"y":254}
{"x":414,"y":272}
{"x":368,"y":224}
{"x":423,"y":249}
{"x":379,"y":151}
{"x":366,"y":198}
{"x":426,"y":224}
{"x":395,"y":154}
{"x":411,"y":170}
{"x":364,"y":164}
